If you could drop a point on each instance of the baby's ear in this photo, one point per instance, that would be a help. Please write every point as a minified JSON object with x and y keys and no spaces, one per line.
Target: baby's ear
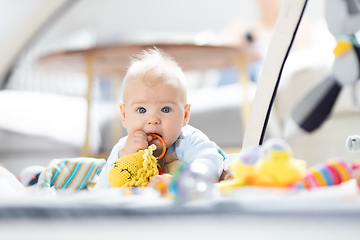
{"x":186,"y":114}
{"x":122,"y":112}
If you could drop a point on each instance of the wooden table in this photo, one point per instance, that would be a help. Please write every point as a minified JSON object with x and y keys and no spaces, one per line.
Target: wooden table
{"x":114,"y":59}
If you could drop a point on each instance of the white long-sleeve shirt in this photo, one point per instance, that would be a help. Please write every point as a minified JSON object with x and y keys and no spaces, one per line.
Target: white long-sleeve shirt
{"x":191,"y":146}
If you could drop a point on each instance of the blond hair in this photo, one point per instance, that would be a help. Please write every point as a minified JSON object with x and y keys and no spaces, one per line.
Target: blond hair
{"x":154,"y":67}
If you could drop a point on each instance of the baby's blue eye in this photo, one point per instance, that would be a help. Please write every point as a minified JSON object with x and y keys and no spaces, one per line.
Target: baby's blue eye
{"x":165,"y":110}
{"x":141,"y":110}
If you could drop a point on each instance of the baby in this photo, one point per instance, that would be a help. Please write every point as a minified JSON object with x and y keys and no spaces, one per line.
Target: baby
{"x":154,"y":101}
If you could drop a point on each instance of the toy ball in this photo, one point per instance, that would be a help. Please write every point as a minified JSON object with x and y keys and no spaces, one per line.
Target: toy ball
{"x":29,"y":176}
{"x":135,"y":169}
{"x":192,"y":182}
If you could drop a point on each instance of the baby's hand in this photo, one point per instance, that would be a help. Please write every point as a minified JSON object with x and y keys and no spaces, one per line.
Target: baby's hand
{"x":136,"y":141}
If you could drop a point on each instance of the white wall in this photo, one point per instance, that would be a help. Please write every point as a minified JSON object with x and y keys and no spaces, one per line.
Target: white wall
{"x":120,"y":18}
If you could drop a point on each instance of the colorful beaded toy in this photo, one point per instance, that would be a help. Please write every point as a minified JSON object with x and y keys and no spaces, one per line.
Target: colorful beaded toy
{"x":331,"y":172}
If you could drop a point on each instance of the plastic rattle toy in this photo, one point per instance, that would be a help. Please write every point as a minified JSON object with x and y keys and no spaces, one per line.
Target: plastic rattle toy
{"x":136,"y":169}
{"x":162,"y":142}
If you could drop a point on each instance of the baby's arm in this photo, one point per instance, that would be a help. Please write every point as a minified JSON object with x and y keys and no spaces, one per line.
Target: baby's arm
{"x":200,"y":149}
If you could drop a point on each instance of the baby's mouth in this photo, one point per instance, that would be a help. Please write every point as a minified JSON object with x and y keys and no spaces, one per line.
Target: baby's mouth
{"x":154,"y":138}
{"x":159,"y":142}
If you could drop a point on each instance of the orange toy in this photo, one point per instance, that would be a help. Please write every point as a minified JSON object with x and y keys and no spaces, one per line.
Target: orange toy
{"x":162,"y":142}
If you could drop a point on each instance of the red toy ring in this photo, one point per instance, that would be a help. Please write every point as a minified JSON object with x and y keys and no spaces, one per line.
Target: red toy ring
{"x":162,"y":142}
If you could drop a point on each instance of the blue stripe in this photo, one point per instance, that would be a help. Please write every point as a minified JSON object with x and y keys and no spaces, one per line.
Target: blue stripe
{"x":86,"y":177}
{"x":60,"y":167}
{"x":71,"y":176}
{"x":57,"y":171}
{"x":99,"y":169}
{"x":327,"y":175}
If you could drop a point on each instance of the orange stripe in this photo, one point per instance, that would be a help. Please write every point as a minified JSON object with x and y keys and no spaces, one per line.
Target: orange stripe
{"x":55,"y":167}
{"x":72,"y":168}
{"x":47,"y":171}
{"x":78,"y":171}
{"x":95,"y":168}
{"x":60,"y":171}
{"x":84,"y":176}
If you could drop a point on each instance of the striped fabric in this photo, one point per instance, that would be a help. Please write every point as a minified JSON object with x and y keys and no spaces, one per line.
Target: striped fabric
{"x":71,"y":174}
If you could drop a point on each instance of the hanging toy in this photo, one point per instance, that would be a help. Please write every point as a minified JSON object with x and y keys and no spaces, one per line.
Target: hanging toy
{"x":343,"y":20}
{"x":136,"y":169}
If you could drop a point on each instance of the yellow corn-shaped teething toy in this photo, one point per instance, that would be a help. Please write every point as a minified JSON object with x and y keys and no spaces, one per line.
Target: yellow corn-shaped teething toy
{"x":135,"y":169}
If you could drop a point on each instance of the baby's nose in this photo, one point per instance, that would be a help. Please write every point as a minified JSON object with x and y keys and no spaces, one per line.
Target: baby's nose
{"x":153,"y":120}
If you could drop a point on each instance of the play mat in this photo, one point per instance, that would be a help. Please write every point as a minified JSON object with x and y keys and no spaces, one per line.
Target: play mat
{"x":265,"y":192}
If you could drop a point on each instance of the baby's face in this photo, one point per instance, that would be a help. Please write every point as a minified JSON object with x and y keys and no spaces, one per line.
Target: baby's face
{"x":159,"y":109}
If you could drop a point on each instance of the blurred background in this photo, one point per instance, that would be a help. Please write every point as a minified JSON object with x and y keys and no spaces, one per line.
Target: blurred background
{"x":56,"y":103}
